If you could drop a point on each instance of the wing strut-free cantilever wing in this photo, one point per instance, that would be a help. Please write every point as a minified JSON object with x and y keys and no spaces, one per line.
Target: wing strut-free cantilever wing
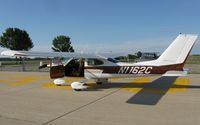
{"x":46,"y":54}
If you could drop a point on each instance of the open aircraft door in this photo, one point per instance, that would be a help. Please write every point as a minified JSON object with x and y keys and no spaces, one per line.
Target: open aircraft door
{"x":58,"y":70}
{"x":72,"y":67}
{"x":75,"y":68}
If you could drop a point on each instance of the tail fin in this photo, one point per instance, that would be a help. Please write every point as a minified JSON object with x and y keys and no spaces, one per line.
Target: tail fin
{"x":179,"y":49}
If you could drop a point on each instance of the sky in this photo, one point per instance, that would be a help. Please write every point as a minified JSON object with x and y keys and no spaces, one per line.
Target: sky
{"x":125,"y":26}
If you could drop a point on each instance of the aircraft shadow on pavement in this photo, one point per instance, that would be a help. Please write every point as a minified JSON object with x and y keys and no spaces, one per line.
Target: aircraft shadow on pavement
{"x":145,"y":97}
{"x":150,"y":93}
{"x":152,"y":98}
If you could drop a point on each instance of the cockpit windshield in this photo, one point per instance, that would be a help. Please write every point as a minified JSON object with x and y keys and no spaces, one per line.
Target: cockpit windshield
{"x":93,"y":61}
{"x":112,"y":60}
{"x":65,"y":60}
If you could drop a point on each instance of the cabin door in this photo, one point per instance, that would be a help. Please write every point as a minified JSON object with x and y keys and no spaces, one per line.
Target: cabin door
{"x":57,"y":71}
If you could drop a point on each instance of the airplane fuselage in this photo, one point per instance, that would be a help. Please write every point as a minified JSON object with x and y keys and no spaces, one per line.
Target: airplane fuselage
{"x":128,"y":70}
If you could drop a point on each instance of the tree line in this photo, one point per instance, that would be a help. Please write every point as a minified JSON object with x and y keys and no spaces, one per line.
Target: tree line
{"x":18,"y":39}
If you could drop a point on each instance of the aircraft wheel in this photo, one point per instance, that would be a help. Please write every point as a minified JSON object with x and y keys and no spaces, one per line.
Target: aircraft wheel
{"x":59,"y":81}
{"x":78,"y":86}
{"x":77,"y":89}
{"x":101,"y":81}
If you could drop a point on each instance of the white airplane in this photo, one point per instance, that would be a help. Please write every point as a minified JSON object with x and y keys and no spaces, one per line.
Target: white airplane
{"x":100,"y":69}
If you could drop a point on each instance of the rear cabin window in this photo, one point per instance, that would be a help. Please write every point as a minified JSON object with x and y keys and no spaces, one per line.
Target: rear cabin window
{"x":94,"y":62}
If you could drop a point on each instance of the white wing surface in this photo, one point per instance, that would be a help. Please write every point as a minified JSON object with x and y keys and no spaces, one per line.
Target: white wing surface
{"x":59,"y":54}
{"x":46,"y":54}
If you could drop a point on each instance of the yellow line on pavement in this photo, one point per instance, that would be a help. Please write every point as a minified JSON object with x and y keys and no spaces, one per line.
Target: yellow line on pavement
{"x":141,"y":80}
{"x":179,"y":85}
{"x":52,"y":85}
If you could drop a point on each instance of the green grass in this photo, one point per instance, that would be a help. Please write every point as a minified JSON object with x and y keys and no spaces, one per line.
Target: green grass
{"x":193,"y":59}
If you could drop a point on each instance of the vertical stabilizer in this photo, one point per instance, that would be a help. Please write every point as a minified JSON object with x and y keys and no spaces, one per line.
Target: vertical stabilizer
{"x":178,"y":50}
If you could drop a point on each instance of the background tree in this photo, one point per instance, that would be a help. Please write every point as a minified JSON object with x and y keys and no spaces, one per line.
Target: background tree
{"x":62,"y":44}
{"x":132,"y":57}
{"x":139,"y":54}
{"x":16,"y":39}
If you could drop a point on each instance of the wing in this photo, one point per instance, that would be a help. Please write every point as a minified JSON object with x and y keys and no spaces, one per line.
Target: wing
{"x":46,"y":54}
{"x":56,"y":54}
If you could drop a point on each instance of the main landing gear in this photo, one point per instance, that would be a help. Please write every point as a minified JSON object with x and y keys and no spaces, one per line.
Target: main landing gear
{"x":101,"y":81}
{"x":78,"y":85}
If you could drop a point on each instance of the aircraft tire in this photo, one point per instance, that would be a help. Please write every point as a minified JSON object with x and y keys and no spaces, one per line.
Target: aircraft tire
{"x":77,"y":89}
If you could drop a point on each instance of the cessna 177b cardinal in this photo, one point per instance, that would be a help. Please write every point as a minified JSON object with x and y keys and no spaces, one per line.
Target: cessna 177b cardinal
{"x":96,"y":67}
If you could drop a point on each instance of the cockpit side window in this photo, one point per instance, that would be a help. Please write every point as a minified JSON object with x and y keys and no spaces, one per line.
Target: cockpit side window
{"x":93,"y":61}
